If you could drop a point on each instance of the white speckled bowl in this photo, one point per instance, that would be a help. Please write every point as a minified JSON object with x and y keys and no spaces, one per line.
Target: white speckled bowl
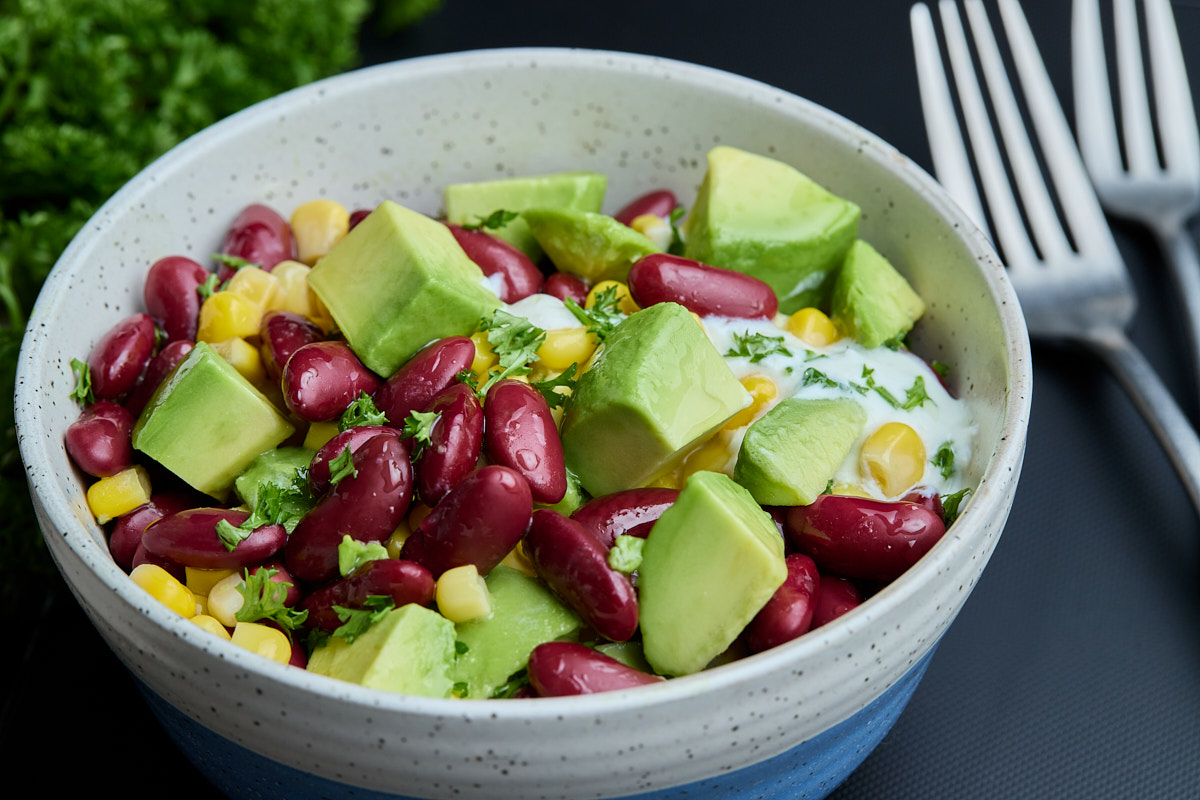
{"x":790,"y":722}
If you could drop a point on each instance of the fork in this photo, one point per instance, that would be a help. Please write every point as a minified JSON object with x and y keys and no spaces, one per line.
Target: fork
{"x":1160,"y":196}
{"x":1078,"y":292}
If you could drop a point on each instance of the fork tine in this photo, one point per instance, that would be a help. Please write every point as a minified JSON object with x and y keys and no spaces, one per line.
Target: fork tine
{"x":1094,"y":120}
{"x":1176,"y":114}
{"x":1135,"y":108}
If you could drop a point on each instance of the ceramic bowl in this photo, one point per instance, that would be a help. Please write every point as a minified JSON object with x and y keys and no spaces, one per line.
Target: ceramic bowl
{"x":790,"y":722}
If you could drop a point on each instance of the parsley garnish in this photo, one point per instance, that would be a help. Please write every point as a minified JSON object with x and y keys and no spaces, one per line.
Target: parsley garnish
{"x":943,"y":459}
{"x":231,"y":535}
{"x":493,"y":221}
{"x":264,"y":598}
{"x":547,"y":387}
{"x":362,"y":411}
{"x":952,"y":505}
{"x":916,"y":396}
{"x":342,"y":467}
{"x":83,"y":382}
{"x":757,"y":346}
{"x":814,"y":377}
{"x":460,"y":648}
{"x":459,"y":689}
{"x":603,"y":316}
{"x":356,"y":621}
{"x":279,"y":504}
{"x":419,"y":427}
{"x":897,"y":342}
{"x":515,"y":340}
{"x":941,"y":369}
{"x":512,"y":687}
{"x":234,"y":261}
{"x":869,"y":378}
{"x":210,"y":285}
{"x":675,"y":248}
{"x":468,"y":377}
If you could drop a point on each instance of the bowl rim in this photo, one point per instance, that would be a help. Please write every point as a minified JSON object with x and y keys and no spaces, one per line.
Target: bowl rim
{"x":986,"y":498}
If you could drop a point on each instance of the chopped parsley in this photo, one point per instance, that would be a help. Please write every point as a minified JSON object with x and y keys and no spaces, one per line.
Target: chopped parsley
{"x":512,"y":687}
{"x":211,"y":284}
{"x":602,"y":316}
{"x":357,"y":621}
{"x":342,"y":467}
{"x":869,"y":379}
{"x":814,"y":377}
{"x":757,"y":346}
{"x":916,"y":396}
{"x":234,"y":261}
{"x":468,"y":377}
{"x":279,"y":504}
{"x":419,"y":427}
{"x":83,"y":382}
{"x":493,"y":221}
{"x":231,"y":535}
{"x":263,"y":599}
{"x":548,"y":387}
{"x":515,"y":340}
{"x":362,"y":411}
{"x":941,"y":369}
{"x":952,"y":505}
{"x":675,"y":248}
{"x":943,"y":459}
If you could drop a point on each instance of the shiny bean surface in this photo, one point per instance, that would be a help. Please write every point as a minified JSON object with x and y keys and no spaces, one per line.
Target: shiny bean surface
{"x":521,"y":434}
{"x":403,"y":581}
{"x":835,"y":596}
{"x":259,"y":235}
{"x":190,"y":538}
{"x":414,"y":386}
{"x":119,"y":358}
{"x":283,"y":333}
{"x":456,"y":441}
{"x":98,"y":441}
{"x":660,"y":203}
{"x":520,"y":277}
{"x":564,"y":285}
{"x":322,"y":379}
{"x":789,"y":612}
{"x":631,"y":512}
{"x":561,"y":669}
{"x":171,"y":296}
{"x":705,"y":290}
{"x":126,"y":535}
{"x":163,"y":363}
{"x":354,"y":438}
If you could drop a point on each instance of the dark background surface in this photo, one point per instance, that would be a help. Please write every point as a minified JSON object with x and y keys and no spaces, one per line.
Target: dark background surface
{"x":1074,"y":669}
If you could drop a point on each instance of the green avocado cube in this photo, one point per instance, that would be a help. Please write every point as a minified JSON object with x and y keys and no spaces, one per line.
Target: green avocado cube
{"x":789,"y":454}
{"x":470,"y":203}
{"x":594,"y":247}
{"x":763,"y":217}
{"x":206,"y":423}
{"x":653,"y":390}
{"x":871,"y":301}
{"x":710,"y":563}
{"x":409,"y":650}
{"x":398,"y":281}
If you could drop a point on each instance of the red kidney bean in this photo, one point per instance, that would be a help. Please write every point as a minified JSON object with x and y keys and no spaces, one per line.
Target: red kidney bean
{"x":835,"y":596}
{"x":630,"y":512}
{"x":367,"y":505}
{"x":354,"y":438}
{"x":126,"y":535}
{"x":159,"y":368}
{"x":282,"y":576}
{"x":258,"y":235}
{"x":190,"y":538}
{"x":520,"y":276}
{"x":121,"y":355}
{"x":521,"y":434}
{"x":403,"y":581}
{"x":660,"y":203}
{"x":478,"y":522}
{"x":414,"y":386}
{"x":322,"y":379}
{"x":98,"y":441}
{"x":170,"y":295}
{"x":862,"y":538}
{"x":789,"y":612}
{"x":455,"y":443}
{"x":283,"y":333}
{"x":663,"y":278}
{"x":929,"y":498}
{"x":144,"y":556}
{"x":575,"y":566}
{"x":358,"y":215}
{"x":563,"y":285}
{"x":561,"y":669}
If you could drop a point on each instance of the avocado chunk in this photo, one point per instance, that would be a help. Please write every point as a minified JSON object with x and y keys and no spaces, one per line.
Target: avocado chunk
{"x":206,"y":423}
{"x":469,"y":203}
{"x":790,"y":453}
{"x":524,"y":614}
{"x":396,"y":282}
{"x":280,"y":467}
{"x":760,"y":216}
{"x":593,"y":246}
{"x":409,"y":650}
{"x":654,"y":389}
{"x":573,"y":499}
{"x":871,"y":301}
{"x":711,"y":562}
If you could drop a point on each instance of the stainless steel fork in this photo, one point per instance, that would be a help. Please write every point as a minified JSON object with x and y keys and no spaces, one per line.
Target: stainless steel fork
{"x":1072,"y":288}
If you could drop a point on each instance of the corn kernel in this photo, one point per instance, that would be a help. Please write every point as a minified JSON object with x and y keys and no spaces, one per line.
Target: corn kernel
{"x":654,"y":228}
{"x":293,"y":293}
{"x":256,"y":285}
{"x":396,"y":541}
{"x":894,"y":457}
{"x":518,"y":559}
{"x":317,"y":226}
{"x":714,"y":455}
{"x":462,"y":594}
{"x":625,"y":302}
{"x":849,"y":490}
{"x":564,"y":347}
{"x":225,"y":315}
{"x":813,"y":327}
{"x":485,"y":356}
{"x":212,"y":625}
{"x":264,"y":640}
{"x":225,"y":600}
{"x":762,"y":391}
{"x":201,"y":581}
{"x":319,"y":433}
{"x":165,"y":588}
{"x":416,"y":514}
{"x":118,"y":494}
{"x":245,"y":358}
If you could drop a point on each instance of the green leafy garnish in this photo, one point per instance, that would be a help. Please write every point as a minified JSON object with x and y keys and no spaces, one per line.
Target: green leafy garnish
{"x":952,"y":505}
{"x":352,"y":554}
{"x":566,"y":379}
{"x":342,"y":467}
{"x":757,"y":346}
{"x":515,"y":340}
{"x":461,"y":648}
{"x":211,"y":284}
{"x":941,"y":369}
{"x":418,"y":426}
{"x":512,"y":686}
{"x":362,"y":411}
{"x":233,"y":261}
{"x":281,"y":504}
{"x":459,"y":689}
{"x":916,"y":396}
{"x":263,"y":599}
{"x":897,"y":342}
{"x":603,"y":316}
{"x":814,"y":377}
{"x":493,"y":221}
{"x":943,"y":459}
{"x":231,"y":535}
{"x":468,"y":377}
{"x":675,"y":248}
{"x":357,"y":621}
{"x":626,"y":553}
{"x":869,"y":378}
{"x":83,"y":382}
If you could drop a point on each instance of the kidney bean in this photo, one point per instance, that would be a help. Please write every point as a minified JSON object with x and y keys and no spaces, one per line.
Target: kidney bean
{"x":705,"y":290}
{"x":358,"y":215}
{"x":575,"y":566}
{"x":283,"y":333}
{"x":367,"y":505}
{"x":121,"y":355}
{"x":660,"y":203}
{"x":190,"y":538}
{"x":929,"y":498}
{"x":630,"y":512}
{"x":414,"y":386}
{"x":563,"y":285}
{"x":321,"y":380}
{"x":144,"y":556}
{"x":170,"y":295}
{"x":521,"y":434}
{"x":835,"y":596}
{"x":259,"y":235}
{"x":159,"y":368}
{"x":455,"y":443}
{"x":354,"y":438}
{"x":403,"y":581}
{"x":862,"y":538}
{"x":98,"y":441}
{"x":560,"y":669}
{"x":520,"y":276}
{"x":126,"y":535}
{"x":789,"y":612}
{"x":478,"y":522}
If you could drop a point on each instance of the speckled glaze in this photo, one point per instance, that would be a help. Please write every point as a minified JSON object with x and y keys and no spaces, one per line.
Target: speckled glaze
{"x":790,"y":722}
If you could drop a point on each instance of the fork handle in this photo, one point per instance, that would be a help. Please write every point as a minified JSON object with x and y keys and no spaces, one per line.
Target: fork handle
{"x":1184,"y":262}
{"x":1175,"y":433}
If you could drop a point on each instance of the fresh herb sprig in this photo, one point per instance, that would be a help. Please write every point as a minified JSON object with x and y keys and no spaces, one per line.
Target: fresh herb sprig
{"x":515,"y":341}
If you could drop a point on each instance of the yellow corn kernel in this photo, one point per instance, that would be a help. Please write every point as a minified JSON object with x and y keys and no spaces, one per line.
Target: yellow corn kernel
{"x":225,"y":600}
{"x":518,"y":559}
{"x":894,"y":457}
{"x":712,"y":456}
{"x":225,"y":315}
{"x":416,"y":514}
{"x":212,"y":625}
{"x":849,"y":490}
{"x":396,"y":541}
{"x":264,"y":640}
{"x":485,"y":356}
{"x":201,"y":605}
{"x":256,"y":285}
{"x":292,"y":293}
{"x":462,"y":594}
{"x":245,"y":358}
{"x":625,"y":302}
{"x":118,"y":494}
{"x":319,"y":433}
{"x":201,"y":581}
{"x":813,"y":327}
{"x":654,"y":228}
{"x":317,"y":226}
{"x":564,"y":347}
{"x":762,"y":391}
{"x":164,"y":588}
